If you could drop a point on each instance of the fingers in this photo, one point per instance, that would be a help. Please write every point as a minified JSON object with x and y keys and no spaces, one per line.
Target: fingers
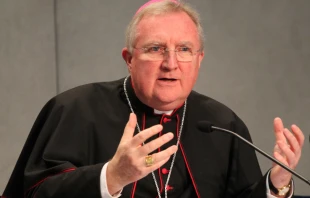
{"x":158,"y":165}
{"x":165,"y":153}
{"x":145,"y":134}
{"x":154,"y":144}
{"x":278,"y":129}
{"x":298,"y":134}
{"x":292,"y":141}
{"x":130,"y":127}
{"x":287,"y":153}
{"x":162,"y":157}
{"x":280,"y":157}
{"x":288,"y":145}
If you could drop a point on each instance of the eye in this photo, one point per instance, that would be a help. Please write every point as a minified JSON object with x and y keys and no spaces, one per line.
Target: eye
{"x":184,"y":49}
{"x":153,"y":49}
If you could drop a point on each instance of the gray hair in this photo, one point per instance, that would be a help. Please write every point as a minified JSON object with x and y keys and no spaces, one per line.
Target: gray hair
{"x":160,"y":8}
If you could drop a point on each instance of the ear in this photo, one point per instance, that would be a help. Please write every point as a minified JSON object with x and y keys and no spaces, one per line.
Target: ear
{"x":201,"y":55}
{"x":127,"y":57}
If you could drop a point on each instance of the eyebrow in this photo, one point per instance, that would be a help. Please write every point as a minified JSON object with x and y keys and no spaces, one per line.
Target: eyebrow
{"x":160,"y":43}
{"x":154,"y":42}
{"x":187,"y":43}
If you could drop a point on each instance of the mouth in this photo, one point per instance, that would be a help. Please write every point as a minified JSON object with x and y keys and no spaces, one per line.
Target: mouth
{"x":167,"y":79}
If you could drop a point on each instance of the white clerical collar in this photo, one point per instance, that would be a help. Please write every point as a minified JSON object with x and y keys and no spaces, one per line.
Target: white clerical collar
{"x":163,"y":112}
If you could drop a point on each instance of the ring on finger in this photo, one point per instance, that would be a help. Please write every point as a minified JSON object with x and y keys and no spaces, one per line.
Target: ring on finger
{"x":149,"y":160}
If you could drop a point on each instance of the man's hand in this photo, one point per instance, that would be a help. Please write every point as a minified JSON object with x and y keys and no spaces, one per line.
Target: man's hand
{"x":287,"y":150}
{"x":128,"y":163}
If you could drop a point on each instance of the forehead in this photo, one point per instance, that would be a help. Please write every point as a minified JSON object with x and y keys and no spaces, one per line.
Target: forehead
{"x":175,"y":27}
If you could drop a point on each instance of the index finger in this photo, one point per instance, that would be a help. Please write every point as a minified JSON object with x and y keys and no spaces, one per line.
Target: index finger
{"x":142,"y":136}
{"x":278,"y":130}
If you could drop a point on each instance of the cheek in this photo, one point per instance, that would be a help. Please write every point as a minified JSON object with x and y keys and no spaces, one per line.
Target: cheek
{"x":144,"y":74}
{"x":190,"y":73}
{"x":144,"y":69}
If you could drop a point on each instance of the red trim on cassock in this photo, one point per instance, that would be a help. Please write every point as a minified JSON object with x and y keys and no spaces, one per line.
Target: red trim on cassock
{"x":186,"y":163}
{"x":133,"y":190}
{"x":64,"y":171}
{"x":159,"y":173}
{"x":143,"y":122}
{"x":135,"y":184}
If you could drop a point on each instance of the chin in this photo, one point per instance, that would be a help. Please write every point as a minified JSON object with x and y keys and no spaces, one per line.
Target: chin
{"x":168,"y":103}
{"x":166,"y":98}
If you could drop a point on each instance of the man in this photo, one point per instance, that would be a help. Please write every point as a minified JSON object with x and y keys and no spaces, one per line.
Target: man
{"x":84,"y":145}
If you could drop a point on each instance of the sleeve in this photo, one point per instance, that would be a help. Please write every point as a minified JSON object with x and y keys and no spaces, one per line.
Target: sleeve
{"x":58,"y":157}
{"x":59,"y":164}
{"x":103,"y":184}
{"x":245,"y":179}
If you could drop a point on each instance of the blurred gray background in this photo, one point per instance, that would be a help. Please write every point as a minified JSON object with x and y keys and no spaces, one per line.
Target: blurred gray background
{"x":257,"y":62}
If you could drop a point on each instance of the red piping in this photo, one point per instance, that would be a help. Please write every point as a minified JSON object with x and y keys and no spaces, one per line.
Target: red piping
{"x":133,"y":190}
{"x":64,"y":171}
{"x":135,"y":184}
{"x":159,"y":173}
{"x":185,"y":160}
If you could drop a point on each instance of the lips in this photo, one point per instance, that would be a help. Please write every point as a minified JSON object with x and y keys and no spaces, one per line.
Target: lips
{"x":167,"y":79}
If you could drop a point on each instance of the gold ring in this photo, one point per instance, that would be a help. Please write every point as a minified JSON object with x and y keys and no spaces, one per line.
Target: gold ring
{"x":149,"y":160}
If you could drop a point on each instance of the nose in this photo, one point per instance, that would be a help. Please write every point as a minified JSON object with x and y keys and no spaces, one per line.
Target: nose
{"x":170,"y":60}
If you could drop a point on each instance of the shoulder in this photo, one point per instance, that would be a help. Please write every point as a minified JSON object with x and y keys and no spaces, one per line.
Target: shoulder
{"x":84,"y":98}
{"x":88,"y":93}
{"x":208,"y":104}
{"x":214,"y":111}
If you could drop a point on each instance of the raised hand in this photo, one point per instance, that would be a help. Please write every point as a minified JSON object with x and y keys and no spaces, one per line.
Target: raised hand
{"x":128,"y":164}
{"x":287,"y":150}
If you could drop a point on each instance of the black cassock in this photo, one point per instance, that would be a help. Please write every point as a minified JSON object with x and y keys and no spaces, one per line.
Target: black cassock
{"x":78,"y":131}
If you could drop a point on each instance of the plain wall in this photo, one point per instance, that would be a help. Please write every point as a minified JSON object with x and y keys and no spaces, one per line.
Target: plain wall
{"x":27,"y":73}
{"x":257,"y":62}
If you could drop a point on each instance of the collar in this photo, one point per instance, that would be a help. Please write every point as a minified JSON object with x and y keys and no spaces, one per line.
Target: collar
{"x":163,"y":112}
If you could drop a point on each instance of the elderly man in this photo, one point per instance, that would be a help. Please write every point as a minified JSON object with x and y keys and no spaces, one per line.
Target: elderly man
{"x":84,"y":145}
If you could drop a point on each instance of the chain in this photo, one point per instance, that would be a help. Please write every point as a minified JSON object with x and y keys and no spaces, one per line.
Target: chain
{"x":178,"y":140}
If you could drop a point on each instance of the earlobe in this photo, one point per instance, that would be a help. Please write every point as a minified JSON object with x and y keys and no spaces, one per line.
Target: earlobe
{"x":202,"y":54}
{"x":127,"y":57}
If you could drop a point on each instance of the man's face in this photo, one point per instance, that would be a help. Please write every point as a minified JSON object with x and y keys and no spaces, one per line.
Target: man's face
{"x":164,"y":84}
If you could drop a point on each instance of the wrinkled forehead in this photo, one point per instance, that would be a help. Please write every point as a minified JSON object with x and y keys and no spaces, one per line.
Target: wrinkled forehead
{"x":151,"y":2}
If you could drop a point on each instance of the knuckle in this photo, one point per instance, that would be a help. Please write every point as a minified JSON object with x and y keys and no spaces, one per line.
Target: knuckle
{"x":148,"y":147}
{"x":140,"y":137}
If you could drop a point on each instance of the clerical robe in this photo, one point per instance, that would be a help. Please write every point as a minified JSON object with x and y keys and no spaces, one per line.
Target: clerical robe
{"x":78,"y":131}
